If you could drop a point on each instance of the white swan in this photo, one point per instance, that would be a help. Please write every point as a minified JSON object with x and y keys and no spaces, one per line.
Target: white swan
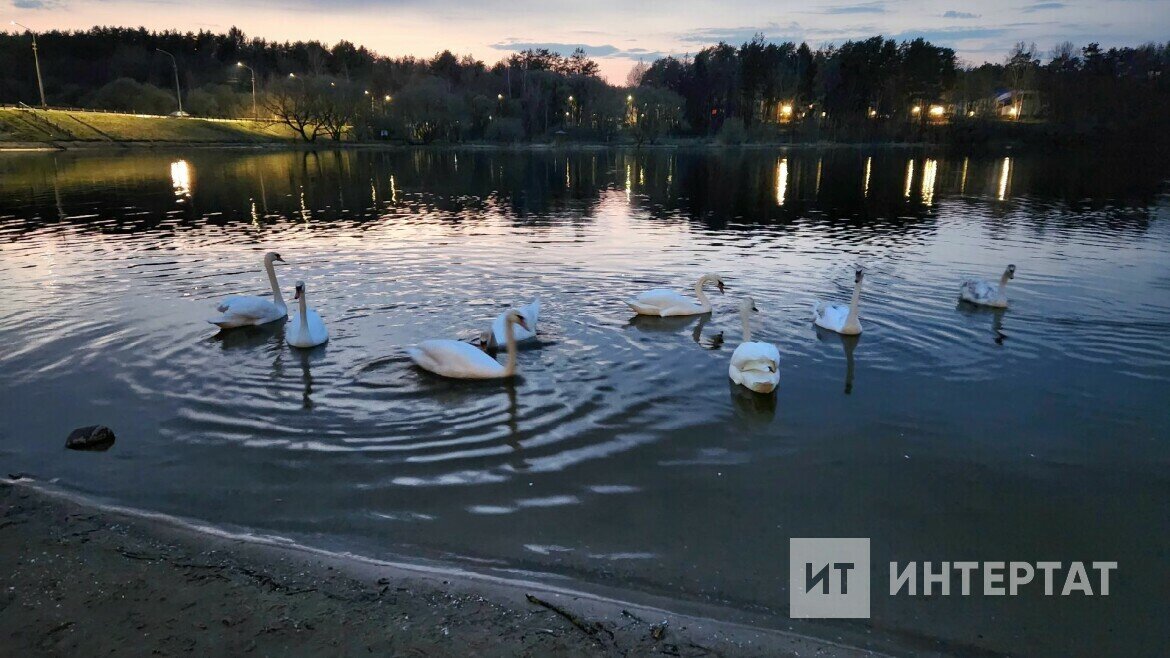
{"x":494,"y":337}
{"x":984,"y":293}
{"x":838,"y":318}
{"x":305,"y":329}
{"x":460,"y":360}
{"x":755,"y":366}
{"x":250,"y":310}
{"x":666,"y":303}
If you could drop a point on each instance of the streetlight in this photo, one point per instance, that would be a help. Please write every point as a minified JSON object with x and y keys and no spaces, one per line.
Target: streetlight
{"x":255,"y":112}
{"x":36,"y":62}
{"x":178,"y":94}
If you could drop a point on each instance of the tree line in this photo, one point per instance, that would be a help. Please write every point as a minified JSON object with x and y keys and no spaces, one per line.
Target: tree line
{"x":861,"y":89}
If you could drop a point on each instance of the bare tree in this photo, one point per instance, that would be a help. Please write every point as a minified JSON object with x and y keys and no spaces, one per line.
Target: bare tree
{"x":292,"y":104}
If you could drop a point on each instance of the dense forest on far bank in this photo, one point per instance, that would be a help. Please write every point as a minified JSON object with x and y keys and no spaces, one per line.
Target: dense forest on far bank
{"x":873,"y":89}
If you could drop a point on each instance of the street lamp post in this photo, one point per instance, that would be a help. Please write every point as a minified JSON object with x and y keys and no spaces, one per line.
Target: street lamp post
{"x":178,"y":94}
{"x":36,"y":62}
{"x":255,"y":112}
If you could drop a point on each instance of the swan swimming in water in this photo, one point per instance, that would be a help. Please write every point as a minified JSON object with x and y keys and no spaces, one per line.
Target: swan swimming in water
{"x":984,"y":293}
{"x":666,"y":303}
{"x":838,"y":318}
{"x":459,"y":360}
{"x":252,"y":310}
{"x":305,"y":329}
{"x":755,"y":366}
{"x":496,"y":335}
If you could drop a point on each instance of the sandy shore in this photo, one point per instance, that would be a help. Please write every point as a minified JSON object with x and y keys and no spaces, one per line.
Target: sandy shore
{"x":86,"y":580}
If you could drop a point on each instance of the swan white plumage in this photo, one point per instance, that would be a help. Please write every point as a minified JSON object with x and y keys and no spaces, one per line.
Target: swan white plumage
{"x":755,"y":366}
{"x":305,"y":329}
{"x":839,"y":318}
{"x":666,"y":303}
{"x":494,"y":337}
{"x":460,"y":360}
{"x":984,"y":293}
{"x":252,"y":310}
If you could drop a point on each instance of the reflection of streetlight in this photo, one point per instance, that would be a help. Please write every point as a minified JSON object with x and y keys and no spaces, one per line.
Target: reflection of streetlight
{"x":255,"y":112}
{"x":178,"y":95}
{"x":36,"y":62}
{"x":181,"y":178}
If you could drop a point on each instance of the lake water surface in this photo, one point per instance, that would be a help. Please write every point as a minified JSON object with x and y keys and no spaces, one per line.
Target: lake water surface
{"x":622,"y":459}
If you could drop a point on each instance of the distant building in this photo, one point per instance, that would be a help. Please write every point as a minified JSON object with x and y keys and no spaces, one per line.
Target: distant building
{"x":1017,"y":104}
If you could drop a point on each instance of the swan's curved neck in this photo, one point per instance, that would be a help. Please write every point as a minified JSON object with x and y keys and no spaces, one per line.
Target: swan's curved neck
{"x":702,"y":296}
{"x":1003,"y":281}
{"x":304,"y":310}
{"x":745,"y":315}
{"x":853,"y":304}
{"x":510,"y":341}
{"x":276,"y":296}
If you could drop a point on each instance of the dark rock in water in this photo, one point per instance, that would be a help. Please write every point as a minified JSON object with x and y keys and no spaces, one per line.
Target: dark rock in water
{"x":93,"y":437}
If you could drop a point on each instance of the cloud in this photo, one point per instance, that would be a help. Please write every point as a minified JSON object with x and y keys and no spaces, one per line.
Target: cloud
{"x":736,"y":35}
{"x":603,"y":50}
{"x":34,"y":4}
{"x":945,"y":35}
{"x":1042,"y":6}
{"x":862,"y":8}
{"x":959,"y":14}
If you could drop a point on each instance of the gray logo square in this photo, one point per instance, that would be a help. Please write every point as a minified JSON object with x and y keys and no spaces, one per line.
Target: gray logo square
{"x":828,"y":578}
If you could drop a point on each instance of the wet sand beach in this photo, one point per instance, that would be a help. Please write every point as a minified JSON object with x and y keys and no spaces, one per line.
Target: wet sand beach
{"x":83,"y":580}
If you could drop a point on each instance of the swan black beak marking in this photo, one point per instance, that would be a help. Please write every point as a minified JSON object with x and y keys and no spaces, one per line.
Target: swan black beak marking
{"x":520,"y":321}
{"x":756,"y":310}
{"x":298,"y":295}
{"x":721,"y":288}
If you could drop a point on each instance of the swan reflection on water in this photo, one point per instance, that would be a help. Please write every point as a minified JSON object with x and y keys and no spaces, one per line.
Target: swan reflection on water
{"x":752,"y":407}
{"x":251,"y":337}
{"x":306,"y":357}
{"x":677,"y":323}
{"x":975,"y":311}
{"x":848,"y":343}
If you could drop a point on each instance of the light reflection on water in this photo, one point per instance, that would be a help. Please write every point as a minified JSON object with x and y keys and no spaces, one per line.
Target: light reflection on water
{"x":621,"y":456}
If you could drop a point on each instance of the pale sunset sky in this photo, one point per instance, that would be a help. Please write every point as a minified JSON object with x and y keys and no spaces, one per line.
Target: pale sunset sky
{"x":617,"y":33}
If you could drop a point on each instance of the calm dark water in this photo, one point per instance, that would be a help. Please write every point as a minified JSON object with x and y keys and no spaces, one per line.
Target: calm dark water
{"x":622,"y":458}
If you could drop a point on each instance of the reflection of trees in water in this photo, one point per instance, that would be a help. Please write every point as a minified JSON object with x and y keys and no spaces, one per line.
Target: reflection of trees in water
{"x":884,"y":190}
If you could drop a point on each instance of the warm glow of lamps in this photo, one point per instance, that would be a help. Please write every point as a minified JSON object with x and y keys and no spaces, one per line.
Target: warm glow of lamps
{"x":936,"y":110}
{"x":1013,"y":111}
{"x":917,"y":109}
{"x":786,"y":110}
{"x":971,"y":113}
{"x":872,"y":113}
